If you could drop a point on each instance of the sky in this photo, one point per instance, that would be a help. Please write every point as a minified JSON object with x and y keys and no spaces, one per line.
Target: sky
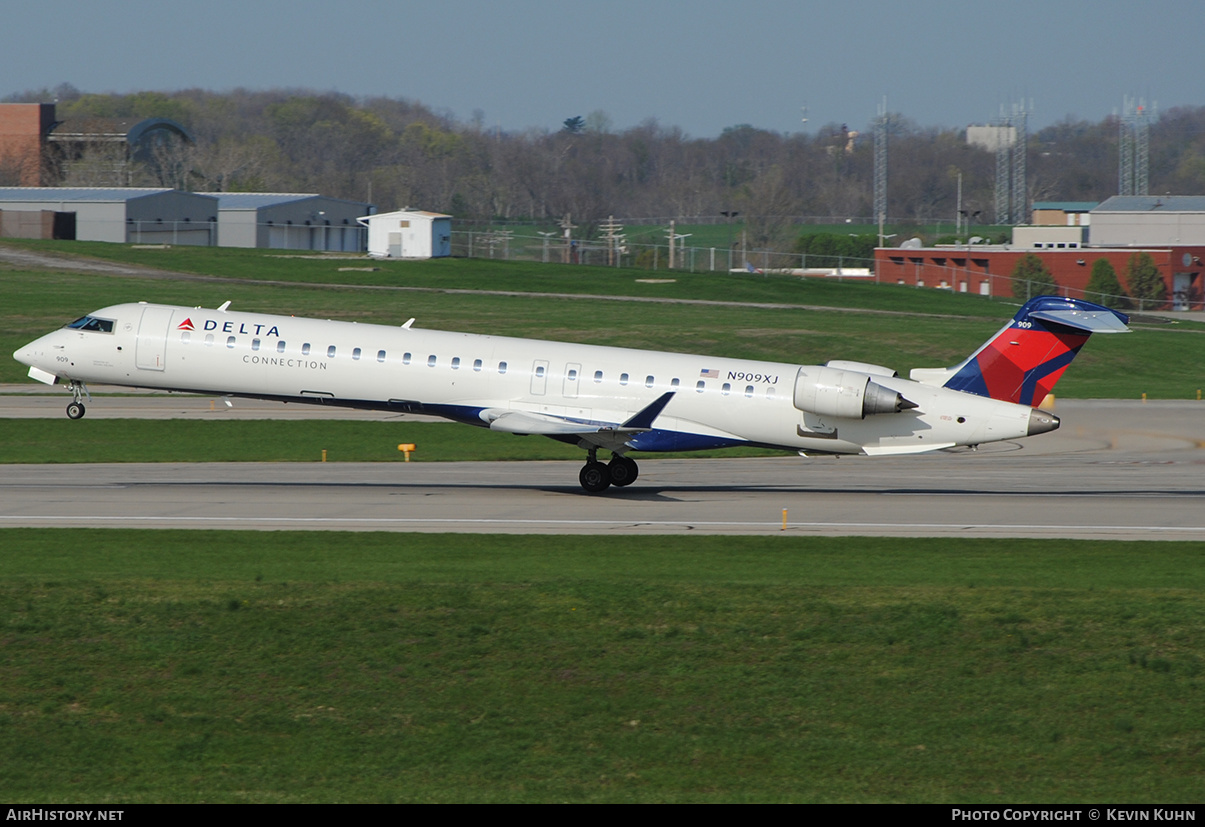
{"x":698,"y":65}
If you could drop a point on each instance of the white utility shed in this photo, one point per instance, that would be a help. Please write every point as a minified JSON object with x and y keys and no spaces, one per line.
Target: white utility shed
{"x":408,"y":234}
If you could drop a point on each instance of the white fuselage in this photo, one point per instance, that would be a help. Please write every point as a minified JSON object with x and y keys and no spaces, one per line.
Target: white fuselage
{"x":472,"y":378}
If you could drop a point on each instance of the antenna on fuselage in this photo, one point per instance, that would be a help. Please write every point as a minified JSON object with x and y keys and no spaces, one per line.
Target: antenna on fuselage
{"x":409,"y":322}
{"x":222,"y":309}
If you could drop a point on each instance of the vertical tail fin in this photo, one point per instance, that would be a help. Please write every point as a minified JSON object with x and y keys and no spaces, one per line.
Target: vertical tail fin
{"x":1027,"y":357}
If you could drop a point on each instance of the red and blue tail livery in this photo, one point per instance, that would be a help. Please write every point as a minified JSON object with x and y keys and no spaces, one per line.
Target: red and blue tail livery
{"x":1023,"y":362}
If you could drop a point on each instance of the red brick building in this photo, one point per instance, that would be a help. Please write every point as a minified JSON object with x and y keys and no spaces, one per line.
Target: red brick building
{"x":37,"y":150}
{"x":987,"y":270}
{"x":23,"y":131}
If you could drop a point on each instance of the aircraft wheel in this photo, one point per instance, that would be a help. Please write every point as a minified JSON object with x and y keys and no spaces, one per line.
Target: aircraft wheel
{"x":75,"y":410}
{"x":623,"y":471}
{"x":594,"y":477}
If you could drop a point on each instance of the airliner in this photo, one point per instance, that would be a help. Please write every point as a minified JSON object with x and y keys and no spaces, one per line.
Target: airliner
{"x":609,"y":399}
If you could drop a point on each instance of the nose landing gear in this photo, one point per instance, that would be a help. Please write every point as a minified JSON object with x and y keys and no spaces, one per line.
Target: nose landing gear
{"x":76,"y":409}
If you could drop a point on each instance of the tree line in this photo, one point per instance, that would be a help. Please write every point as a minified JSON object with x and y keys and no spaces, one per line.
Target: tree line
{"x":396,"y":153}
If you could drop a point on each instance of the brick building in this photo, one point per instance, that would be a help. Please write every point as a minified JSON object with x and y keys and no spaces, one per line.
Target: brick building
{"x":24,"y":128}
{"x":986,"y":269}
{"x":37,"y":149}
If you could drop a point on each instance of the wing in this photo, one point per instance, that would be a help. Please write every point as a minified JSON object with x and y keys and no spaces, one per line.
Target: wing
{"x":609,"y":437}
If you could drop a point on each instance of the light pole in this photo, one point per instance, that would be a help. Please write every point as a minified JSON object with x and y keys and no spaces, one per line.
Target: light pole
{"x":729,"y":215}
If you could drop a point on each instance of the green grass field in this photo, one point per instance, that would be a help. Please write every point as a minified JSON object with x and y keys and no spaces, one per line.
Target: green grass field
{"x":299,"y":667}
{"x":926,"y":328}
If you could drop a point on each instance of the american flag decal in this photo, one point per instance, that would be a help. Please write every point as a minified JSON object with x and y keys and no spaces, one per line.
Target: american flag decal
{"x":709,"y":374}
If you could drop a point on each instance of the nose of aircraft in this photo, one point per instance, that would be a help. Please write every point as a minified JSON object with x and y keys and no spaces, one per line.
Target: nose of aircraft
{"x":25,"y":354}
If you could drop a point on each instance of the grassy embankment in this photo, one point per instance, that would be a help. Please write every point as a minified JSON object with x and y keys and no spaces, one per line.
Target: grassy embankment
{"x":229,"y":666}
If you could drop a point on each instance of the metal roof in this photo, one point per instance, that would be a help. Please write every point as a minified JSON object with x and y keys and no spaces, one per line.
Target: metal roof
{"x":1153,"y":203}
{"x":256,"y":200}
{"x":1065,"y":206}
{"x":95,"y":194}
{"x":260,"y":200}
{"x":395,"y":213}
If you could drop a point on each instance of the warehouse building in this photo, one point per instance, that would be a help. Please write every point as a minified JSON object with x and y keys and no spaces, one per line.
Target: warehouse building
{"x":1149,"y":220}
{"x":290,"y":221}
{"x":125,"y":215}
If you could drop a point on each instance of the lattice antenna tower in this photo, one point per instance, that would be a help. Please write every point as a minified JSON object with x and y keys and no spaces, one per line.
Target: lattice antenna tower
{"x":1004,"y":202}
{"x":1142,"y":149}
{"x":1125,"y":149}
{"x":880,"y":168}
{"x":1020,"y":152}
{"x":1133,"y":148}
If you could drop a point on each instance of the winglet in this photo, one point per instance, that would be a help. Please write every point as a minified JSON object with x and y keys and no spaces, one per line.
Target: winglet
{"x":644,"y":417}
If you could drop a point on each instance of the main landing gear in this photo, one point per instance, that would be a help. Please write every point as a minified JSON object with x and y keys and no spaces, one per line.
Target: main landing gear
{"x":76,"y":409}
{"x":596,"y":476}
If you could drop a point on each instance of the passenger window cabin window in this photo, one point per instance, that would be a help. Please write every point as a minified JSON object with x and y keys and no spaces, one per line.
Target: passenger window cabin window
{"x":330,"y":352}
{"x":597,"y":376}
{"x":572,"y":375}
{"x":255,"y":344}
{"x":380,"y":356}
{"x":305,"y":349}
{"x":539,"y":370}
{"x":673,"y":383}
{"x":355,"y":353}
{"x":749,"y":391}
{"x":280,"y":346}
{"x":477,"y":365}
{"x":405,"y":358}
{"x":230,"y":342}
{"x":208,"y":340}
{"x":431,"y":361}
{"x":699,"y":386}
{"x":623,"y":378}
{"x":648,"y":381}
{"x":455,"y":363}
{"x":726,"y":389}
{"x":185,"y":337}
{"x":502,"y":367}
{"x":770,"y":393}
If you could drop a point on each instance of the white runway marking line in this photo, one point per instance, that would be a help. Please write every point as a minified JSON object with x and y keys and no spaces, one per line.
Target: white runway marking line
{"x":776,"y":526}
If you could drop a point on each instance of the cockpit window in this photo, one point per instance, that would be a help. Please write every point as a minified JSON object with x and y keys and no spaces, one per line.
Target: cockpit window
{"x":92,"y":323}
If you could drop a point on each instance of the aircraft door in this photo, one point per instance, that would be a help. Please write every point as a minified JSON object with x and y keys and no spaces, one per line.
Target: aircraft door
{"x":151,"y":347}
{"x":539,"y":377}
{"x":573,"y":374}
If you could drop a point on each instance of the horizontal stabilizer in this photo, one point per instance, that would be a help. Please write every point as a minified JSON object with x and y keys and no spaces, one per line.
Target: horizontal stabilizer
{"x":1093,"y":321}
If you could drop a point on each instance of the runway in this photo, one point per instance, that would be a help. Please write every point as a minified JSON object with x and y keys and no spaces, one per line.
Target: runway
{"x":1115,"y":470}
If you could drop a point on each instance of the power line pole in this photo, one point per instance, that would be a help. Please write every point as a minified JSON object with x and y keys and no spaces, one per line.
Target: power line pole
{"x":880,"y":168}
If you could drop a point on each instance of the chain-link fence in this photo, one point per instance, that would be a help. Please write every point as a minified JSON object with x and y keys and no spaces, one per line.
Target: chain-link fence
{"x":510,"y":245}
{"x":513,"y":245}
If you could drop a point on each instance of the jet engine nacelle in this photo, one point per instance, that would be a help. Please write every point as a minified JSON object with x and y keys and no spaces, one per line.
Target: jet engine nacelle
{"x":826,"y":391}
{"x":861,"y":367}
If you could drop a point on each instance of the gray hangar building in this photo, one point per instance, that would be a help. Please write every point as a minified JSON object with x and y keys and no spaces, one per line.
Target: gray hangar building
{"x":125,"y":215}
{"x":290,"y":221}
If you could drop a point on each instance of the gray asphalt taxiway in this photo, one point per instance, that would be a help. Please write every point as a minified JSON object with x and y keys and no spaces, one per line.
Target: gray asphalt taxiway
{"x":1115,"y":470}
